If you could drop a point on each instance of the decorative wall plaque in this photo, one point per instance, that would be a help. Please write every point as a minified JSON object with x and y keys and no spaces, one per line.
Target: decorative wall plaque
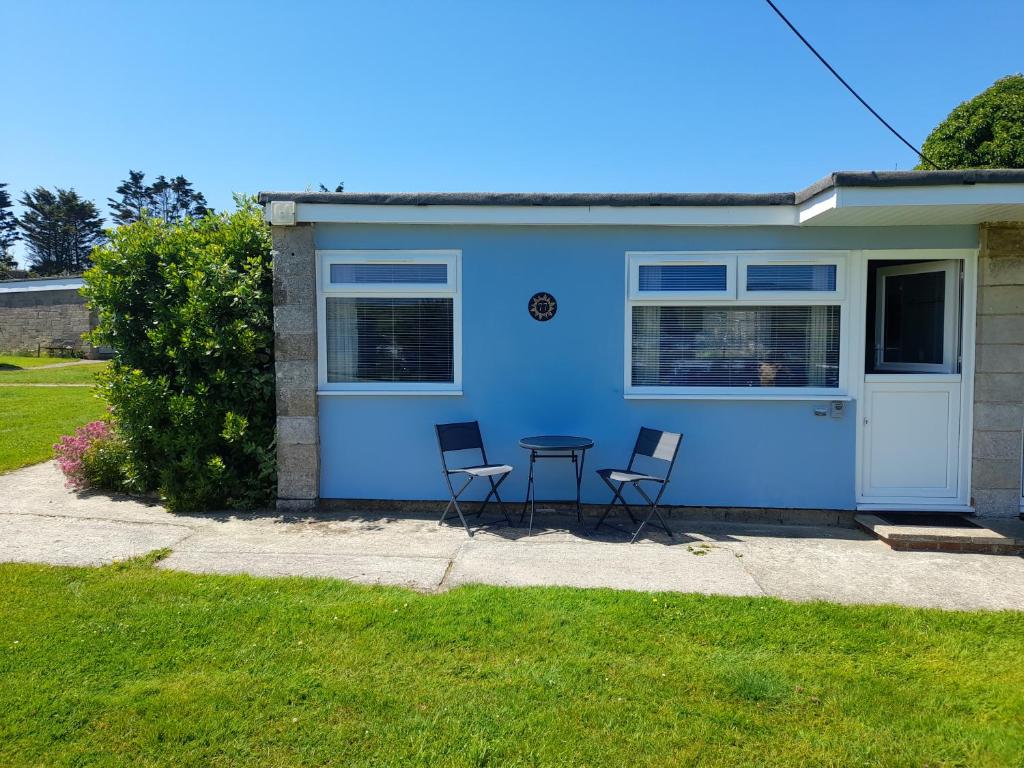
{"x":542,"y":306}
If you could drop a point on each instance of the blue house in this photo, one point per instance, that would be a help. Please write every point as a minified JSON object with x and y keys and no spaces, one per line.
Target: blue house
{"x":858,"y":345}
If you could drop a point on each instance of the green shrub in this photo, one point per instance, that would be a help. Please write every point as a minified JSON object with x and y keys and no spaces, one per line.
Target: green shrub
{"x":188,"y":309}
{"x":107,"y":464}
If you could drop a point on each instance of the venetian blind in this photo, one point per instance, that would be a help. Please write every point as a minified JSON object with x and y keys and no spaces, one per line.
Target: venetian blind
{"x":763,"y":346}
{"x":389,"y":339}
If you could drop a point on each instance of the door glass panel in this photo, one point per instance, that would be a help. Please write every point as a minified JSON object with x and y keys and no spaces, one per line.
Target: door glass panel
{"x":915,"y":307}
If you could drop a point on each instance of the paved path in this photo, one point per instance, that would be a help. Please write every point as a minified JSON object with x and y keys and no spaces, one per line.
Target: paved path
{"x":42,"y":522}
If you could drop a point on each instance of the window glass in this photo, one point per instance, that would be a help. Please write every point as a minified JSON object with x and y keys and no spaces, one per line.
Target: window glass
{"x":683,"y":277}
{"x":389,"y":273}
{"x":915,"y":308}
{"x":390,"y":339}
{"x":736,"y":346}
{"x":791,"y":277}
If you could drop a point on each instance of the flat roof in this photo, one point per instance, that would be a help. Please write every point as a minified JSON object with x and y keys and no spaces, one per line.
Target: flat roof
{"x":57,"y":283}
{"x":644,"y":199}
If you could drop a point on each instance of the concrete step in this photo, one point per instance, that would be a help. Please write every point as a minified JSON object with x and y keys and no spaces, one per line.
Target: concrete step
{"x":977,"y":535}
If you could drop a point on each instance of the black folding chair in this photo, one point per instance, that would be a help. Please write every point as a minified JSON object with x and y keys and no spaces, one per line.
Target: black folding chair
{"x":464,"y":436}
{"x":654,"y":444}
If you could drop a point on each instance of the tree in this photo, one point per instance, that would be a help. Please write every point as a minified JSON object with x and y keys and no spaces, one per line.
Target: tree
{"x":172,"y":200}
{"x":984,"y":132}
{"x":60,"y":229}
{"x":8,"y":231}
{"x":189,"y":310}
{"x":135,"y":199}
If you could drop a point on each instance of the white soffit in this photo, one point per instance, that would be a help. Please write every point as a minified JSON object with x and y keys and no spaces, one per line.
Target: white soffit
{"x":911,"y":206}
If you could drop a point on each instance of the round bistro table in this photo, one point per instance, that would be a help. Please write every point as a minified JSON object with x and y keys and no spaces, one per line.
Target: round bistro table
{"x":554,"y":447}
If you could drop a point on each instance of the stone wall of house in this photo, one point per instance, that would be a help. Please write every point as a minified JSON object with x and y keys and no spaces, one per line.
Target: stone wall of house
{"x":298,"y":445}
{"x":999,"y":374}
{"x":32,"y":318}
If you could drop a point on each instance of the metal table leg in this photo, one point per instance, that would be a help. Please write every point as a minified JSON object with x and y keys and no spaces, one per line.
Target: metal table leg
{"x":579,"y":482}
{"x":530,"y":494}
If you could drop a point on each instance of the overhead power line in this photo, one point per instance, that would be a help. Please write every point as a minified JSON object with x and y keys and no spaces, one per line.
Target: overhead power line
{"x":849,"y":87}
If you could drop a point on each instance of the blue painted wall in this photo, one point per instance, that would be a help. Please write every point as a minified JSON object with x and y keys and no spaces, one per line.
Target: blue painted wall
{"x":565,"y":376}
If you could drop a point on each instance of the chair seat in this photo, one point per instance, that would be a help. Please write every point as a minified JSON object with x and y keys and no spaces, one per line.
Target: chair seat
{"x":625,"y":476}
{"x":483,"y":470}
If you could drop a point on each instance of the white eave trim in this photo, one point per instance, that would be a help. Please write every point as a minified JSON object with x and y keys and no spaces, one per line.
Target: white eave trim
{"x":846,"y":198}
{"x":568,"y":215}
{"x":824,"y":208}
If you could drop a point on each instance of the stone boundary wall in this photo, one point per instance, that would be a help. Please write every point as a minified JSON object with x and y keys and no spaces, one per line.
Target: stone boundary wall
{"x":298,"y":441}
{"x":31,"y":318}
{"x":999,"y":372}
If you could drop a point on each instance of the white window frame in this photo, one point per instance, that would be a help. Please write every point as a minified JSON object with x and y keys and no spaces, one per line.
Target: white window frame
{"x":950,"y":322}
{"x":452,"y":288}
{"x":740,"y":298}
{"x":675,"y":258}
{"x":791,"y":259}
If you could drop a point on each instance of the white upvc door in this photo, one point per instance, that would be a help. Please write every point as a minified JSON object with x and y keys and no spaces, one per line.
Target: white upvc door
{"x":911,"y":439}
{"x":911,"y":436}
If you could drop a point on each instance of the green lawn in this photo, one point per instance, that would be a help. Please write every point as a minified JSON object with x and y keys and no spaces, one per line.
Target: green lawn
{"x":14,"y":362}
{"x":130,"y":665}
{"x":33,"y":418}
{"x":84,"y":373}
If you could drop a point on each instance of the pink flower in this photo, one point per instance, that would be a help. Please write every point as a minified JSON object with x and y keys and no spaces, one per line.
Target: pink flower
{"x":70,"y":449}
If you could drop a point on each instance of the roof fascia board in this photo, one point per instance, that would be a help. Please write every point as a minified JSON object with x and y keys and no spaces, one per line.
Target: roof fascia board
{"x":960,"y":194}
{"x":819,"y":204}
{"x":661,"y":215}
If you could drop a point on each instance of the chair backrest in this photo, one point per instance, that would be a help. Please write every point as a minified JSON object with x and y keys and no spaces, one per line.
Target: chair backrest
{"x":460,"y":436}
{"x":657,"y":444}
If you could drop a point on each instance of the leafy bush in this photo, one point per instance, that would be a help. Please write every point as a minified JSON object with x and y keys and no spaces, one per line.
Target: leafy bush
{"x":107,"y":464}
{"x":984,"y":132}
{"x":188,"y":309}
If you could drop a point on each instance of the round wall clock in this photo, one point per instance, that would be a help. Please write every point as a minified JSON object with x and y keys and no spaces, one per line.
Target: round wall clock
{"x":542,"y":306}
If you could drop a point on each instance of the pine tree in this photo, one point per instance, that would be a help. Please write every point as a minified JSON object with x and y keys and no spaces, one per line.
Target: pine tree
{"x":135,"y":199}
{"x":174,"y":199}
{"x":60,"y":229}
{"x":169,"y":199}
{"x":8,"y":231}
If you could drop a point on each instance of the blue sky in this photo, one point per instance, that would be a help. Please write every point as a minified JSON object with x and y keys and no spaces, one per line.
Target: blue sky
{"x":554,"y":96}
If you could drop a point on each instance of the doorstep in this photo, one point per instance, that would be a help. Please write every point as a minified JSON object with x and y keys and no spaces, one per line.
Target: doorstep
{"x":981,"y":536}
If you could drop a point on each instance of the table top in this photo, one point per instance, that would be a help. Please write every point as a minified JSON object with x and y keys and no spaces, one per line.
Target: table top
{"x":556,"y":443}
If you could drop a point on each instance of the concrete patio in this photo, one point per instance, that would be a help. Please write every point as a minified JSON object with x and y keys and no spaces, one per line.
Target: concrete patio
{"x":42,"y":522}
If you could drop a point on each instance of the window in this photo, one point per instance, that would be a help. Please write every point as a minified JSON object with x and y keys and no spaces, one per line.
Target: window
{"x":790,"y":276}
{"x":778,"y":331}
{"x":390,"y":321}
{"x":675,"y":276}
{"x":917,"y":323}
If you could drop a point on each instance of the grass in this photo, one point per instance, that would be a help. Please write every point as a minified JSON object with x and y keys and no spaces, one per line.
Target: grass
{"x":14,"y":362}
{"x":33,"y":418}
{"x":73,"y":374}
{"x":133,"y":665}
